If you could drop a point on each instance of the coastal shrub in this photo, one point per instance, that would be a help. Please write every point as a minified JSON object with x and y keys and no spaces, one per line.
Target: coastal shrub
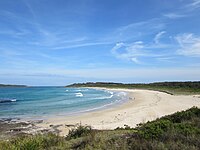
{"x":126,"y":127}
{"x":154,"y":129}
{"x":186,"y":129}
{"x":178,"y":131}
{"x":79,"y":131}
{"x":119,"y":128}
{"x":50,"y":140}
{"x":179,"y":117}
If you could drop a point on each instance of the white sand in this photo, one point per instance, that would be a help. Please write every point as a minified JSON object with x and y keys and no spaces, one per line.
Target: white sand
{"x":142,"y":106}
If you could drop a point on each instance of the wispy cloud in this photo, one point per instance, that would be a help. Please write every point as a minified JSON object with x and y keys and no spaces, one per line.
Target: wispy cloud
{"x":193,"y":5}
{"x":174,"y":15}
{"x":39,"y":34}
{"x":155,"y":24}
{"x":135,"y":60}
{"x":185,"y":10}
{"x":158,"y":36}
{"x":17,"y":58}
{"x":137,"y":30}
{"x":167,"y":59}
{"x":76,"y":45}
{"x":189,"y":44}
{"x":46,"y":39}
{"x":130,"y":51}
{"x":134,"y":51}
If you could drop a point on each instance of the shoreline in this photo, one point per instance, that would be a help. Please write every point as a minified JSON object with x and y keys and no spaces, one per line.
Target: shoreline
{"x":39,"y":115}
{"x":141,"y":106}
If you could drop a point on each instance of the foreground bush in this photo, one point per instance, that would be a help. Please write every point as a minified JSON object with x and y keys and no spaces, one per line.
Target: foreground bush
{"x":178,"y":131}
{"x":79,"y":131}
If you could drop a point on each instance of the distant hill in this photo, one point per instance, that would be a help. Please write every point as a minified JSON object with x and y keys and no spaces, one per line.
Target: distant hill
{"x":188,"y":87}
{"x":9,"y":85}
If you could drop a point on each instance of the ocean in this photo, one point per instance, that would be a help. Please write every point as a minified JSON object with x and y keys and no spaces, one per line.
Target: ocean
{"x":42,"y":102}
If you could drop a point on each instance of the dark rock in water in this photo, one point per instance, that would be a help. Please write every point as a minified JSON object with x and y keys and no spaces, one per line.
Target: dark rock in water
{"x":7,"y":100}
{"x":6,"y":119}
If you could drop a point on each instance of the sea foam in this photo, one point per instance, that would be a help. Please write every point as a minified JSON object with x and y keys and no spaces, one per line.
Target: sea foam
{"x":79,"y":94}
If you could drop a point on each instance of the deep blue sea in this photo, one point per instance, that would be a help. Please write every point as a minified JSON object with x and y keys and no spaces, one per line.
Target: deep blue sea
{"x":41,"y":102}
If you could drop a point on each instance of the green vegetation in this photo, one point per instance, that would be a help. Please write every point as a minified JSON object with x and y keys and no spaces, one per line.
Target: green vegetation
{"x":8,"y":85}
{"x":168,"y":87}
{"x":79,"y":132}
{"x":177,"y":131}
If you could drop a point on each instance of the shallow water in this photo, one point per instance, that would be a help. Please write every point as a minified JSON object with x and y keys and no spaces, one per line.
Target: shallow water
{"x":39,"y":102}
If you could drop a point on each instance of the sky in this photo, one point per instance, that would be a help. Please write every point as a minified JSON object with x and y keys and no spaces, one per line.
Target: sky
{"x":59,"y":42}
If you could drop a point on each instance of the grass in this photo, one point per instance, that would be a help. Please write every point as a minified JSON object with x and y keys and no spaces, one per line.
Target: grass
{"x":177,"y":131}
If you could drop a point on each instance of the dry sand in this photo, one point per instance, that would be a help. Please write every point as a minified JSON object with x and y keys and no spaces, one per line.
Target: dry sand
{"x":142,"y":106}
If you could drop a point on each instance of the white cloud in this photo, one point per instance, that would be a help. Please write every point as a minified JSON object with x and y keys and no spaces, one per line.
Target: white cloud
{"x":130,"y":51}
{"x":134,"y":51}
{"x":174,"y":15}
{"x":158,"y":36}
{"x":116,"y":47}
{"x":135,"y":60}
{"x":189,"y":45}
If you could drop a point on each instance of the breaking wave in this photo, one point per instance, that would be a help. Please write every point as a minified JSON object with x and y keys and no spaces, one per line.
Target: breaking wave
{"x":79,"y":94}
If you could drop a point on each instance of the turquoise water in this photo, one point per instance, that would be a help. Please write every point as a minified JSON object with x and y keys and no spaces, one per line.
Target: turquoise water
{"x":38,"y":102}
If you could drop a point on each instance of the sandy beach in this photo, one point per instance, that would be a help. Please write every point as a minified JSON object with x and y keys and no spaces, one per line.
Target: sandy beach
{"x":142,"y":106}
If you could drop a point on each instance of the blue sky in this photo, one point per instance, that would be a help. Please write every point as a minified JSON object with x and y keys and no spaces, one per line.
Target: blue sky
{"x":58,"y":42}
